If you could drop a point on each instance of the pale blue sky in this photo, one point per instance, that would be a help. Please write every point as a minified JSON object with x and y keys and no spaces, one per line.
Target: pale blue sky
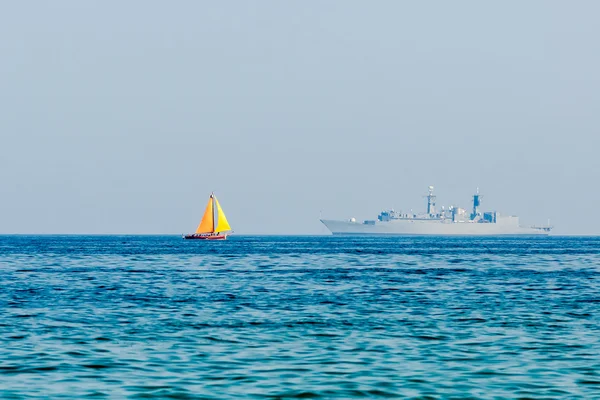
{"x":123,"y":116}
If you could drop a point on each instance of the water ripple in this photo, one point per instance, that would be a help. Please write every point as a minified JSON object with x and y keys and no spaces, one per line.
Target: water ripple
{"x":299,"y":317}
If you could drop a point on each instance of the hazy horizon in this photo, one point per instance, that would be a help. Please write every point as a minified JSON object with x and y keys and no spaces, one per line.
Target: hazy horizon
{"x":123,"y":117}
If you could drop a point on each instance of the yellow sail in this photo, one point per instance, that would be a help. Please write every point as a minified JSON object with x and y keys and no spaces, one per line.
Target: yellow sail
{"x":222,"y":224}
{"x":207,"y":224}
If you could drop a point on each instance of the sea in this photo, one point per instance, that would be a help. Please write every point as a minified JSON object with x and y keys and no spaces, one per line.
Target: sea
{"x":299,"y":317}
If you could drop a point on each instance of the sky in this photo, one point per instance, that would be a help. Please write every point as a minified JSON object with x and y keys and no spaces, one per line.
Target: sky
{"x":122,"y":117}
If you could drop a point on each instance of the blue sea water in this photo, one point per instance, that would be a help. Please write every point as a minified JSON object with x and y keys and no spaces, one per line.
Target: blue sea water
{"x":299,"y":317}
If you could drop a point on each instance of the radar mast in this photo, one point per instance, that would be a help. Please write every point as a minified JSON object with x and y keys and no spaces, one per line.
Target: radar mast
{"x":431,"y":202}
{"x":476,"y":204}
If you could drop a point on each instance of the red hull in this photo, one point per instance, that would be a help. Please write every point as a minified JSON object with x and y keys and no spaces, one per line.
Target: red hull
{"x":206,"y":237}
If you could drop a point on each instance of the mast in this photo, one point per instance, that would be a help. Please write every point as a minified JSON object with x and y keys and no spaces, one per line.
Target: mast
{"x":212,"y":198}
{"x":431,"y":202}
{"x":476,"y":204}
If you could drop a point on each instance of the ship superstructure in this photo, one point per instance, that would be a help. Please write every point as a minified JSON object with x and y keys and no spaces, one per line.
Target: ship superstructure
{"x":446,"y":221}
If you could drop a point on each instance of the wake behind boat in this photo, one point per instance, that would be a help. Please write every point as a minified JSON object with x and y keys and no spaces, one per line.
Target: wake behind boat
{"x":212,"y":227}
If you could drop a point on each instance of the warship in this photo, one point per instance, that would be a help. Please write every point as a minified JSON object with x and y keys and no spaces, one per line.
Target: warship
{"x":447,"y":221}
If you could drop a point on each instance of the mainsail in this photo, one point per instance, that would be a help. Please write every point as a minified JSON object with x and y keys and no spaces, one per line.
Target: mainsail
{"x":207,"y":225}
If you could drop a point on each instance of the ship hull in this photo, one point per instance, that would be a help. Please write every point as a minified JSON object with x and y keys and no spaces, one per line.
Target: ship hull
{"x":205,"y":237}
{"x":434,"y":228}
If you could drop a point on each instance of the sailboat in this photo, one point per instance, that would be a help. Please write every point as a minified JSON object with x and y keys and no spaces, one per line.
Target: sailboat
{"x":212,"y":227}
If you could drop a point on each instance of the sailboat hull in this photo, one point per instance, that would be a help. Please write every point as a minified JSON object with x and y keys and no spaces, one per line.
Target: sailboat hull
{"x":205,"y":237}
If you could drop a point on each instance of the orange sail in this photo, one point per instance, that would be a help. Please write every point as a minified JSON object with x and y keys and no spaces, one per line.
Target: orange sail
{"x":207,"y":225}
{"x":222,"y":224}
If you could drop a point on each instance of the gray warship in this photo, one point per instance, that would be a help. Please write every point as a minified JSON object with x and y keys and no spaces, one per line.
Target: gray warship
{"x":451,"y":221}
